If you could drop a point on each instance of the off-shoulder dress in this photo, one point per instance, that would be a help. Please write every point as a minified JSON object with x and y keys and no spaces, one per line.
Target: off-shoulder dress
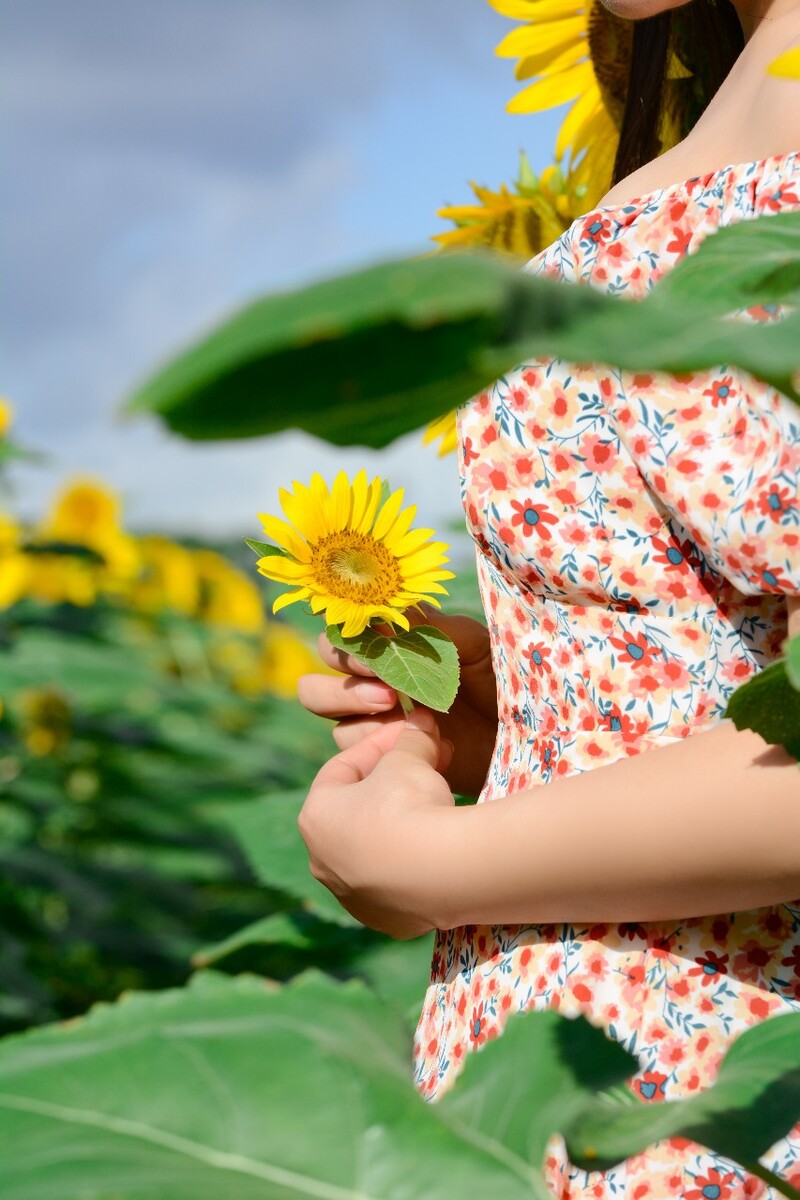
{"x":637,"y":536}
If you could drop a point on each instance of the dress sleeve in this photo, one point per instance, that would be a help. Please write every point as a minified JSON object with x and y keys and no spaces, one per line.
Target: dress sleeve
{"x":721,"y":451}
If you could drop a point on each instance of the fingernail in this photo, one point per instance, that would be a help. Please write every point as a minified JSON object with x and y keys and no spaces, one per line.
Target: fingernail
{"x":375,"y":693}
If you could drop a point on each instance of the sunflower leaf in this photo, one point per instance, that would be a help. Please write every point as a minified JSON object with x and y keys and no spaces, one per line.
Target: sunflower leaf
{"x":264,"y":549}
{"x":422,"y":662}
{"x":769,"y":704}
{"x":792,"y":651}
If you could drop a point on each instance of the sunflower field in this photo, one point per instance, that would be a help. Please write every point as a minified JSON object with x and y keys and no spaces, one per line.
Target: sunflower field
{"x":187,"y":1012}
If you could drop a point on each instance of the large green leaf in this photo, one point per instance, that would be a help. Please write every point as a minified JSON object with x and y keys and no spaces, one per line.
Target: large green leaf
{"x":230,"y":1089}
{"x":268,"y":833}
{"x":769,"y":704}
{"x":421,"y":662}
{"x":394,"y":336}
{"x":400,"y":343}
{"x":237,"y":1088}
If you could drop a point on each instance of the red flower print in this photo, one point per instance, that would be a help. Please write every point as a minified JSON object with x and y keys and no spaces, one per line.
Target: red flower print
{"x":721,"y":391}
{"x":635,"y":649}
{"x":651,"y":1086}
{"x":533,"y":518}
{"x":710,"y":966}
{"x":779,"y":197}
{"x":772,"y":579}
{"x":548,"y":754}
{"x":680,"y":242}
{"x":676,"y":554}
{"x":713,"y":1184}
{"x":498,"y":479}
{"x":753,"y":957}
{"x":596,"y":229}
{"x":470,"y":453}
{"x":537,"y":656}
{"x":600,"y":454}
{"x":776,"y":502}
{"x":793,"y":960}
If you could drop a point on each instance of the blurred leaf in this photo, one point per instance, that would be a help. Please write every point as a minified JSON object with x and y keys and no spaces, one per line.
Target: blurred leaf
{"x":400,"y":343}
{"x":422,"y":662}
{"x":374,"y":327}
{"x":754,"y":1102}
{"x":267,"y":832}
{"x":278,"y":928}
{"x":792,"y":651}
{"x":770,"y":705}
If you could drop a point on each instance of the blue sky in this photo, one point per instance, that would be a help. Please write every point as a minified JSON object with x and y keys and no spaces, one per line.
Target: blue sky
{"x":168,"y":160}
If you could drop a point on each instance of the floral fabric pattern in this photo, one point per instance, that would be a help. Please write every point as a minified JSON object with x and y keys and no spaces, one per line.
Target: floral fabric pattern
{"x":636,"y":536}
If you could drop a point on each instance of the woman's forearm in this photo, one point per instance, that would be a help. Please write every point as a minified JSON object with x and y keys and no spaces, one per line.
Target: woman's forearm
{"x":707,"y":825}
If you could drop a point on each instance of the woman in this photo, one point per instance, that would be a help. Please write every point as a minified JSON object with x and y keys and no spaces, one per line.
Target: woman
{"x":638,"y":558}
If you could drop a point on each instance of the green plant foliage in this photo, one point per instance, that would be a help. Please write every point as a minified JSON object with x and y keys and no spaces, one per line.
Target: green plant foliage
{"x":115,"y":860}
{"x":267,"y":830}
{"x":215,"y":1089}
{"x":400,"y":343}
{"x":770,"y":704}
{"x":421,"y":662}
{"x":792,"y":651}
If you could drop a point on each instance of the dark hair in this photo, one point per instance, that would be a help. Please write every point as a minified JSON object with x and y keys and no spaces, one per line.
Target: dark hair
{"x":707,"y":37}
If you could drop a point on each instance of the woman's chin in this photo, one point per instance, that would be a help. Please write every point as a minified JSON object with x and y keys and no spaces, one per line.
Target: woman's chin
{"x":637,"y":10}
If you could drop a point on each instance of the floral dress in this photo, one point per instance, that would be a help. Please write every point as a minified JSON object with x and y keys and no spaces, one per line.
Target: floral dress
{"x":637,"y":535}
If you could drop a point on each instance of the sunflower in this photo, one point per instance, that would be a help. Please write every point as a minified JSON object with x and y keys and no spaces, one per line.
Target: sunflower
{"x":351,"y":553}
{"x":521,"y":222}
{"x":581,"y":52}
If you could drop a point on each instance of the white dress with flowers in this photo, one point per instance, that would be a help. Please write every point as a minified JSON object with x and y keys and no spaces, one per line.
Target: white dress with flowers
{"x":636,"y":537}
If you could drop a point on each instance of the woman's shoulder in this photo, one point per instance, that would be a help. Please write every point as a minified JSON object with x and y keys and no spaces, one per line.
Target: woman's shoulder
{"x":774,"y":115}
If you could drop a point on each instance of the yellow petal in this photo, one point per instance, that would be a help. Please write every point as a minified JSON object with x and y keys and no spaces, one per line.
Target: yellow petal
{"x":388,"y":515}
{"x":410,"y":543}
{"x":285,"y":570}
{"x":533,"y":39}
{"x":536,"y":10}
{"x":581,"y":112}
{"x":341,"y":503}
{"x":787,"y":66}
{"x":360,"y":498}
{"x":400,"y":530}
{"x":551,"y":62}
{"x":285,"y":536}
{"x":287,"y":598}
{"x":549,"y":93}
{"x":373,"y":502}
{"x":303,"y":512}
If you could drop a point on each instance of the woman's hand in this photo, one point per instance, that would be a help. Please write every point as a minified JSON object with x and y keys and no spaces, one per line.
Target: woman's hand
{"x":371,"y":823}
{"x":363,"y":705}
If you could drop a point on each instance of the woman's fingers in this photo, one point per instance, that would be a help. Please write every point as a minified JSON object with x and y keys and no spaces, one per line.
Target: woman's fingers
{"x":332,"y":696}
{"x":339,"y":660}
{"x":348,"y":732}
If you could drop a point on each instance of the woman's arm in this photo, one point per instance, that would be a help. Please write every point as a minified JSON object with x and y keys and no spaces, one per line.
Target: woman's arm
{"x":707,"y":825}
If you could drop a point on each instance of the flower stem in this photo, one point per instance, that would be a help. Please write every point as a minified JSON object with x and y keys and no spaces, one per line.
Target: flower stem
{"x":406,"y":703}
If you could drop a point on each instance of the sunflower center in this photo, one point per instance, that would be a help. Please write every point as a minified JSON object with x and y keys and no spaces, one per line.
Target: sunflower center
{"x":354,"y":566}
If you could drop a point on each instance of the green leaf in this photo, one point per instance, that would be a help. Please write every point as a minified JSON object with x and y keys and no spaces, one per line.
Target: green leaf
{"x":264,"y":549}
{"x":791,"y":649}
{"x":409,"y":324}
{"x":534,"y":1081}
{"x":421,"y":662}
{"x":754,"y":1102}
{"x":770,"y":705}
{"x":400,"y":343}
{"x":229,"y":1089}
{"x":277,"y":929}
{"x":267,"y":831}
{"x":750,"y":262}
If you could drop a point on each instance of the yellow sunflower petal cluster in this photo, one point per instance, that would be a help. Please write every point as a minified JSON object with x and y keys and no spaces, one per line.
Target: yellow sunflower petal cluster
{"x":351,"y":553}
